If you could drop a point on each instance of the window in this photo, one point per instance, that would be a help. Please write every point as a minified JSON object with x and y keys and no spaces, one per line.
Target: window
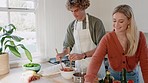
{"x":21,"y":13}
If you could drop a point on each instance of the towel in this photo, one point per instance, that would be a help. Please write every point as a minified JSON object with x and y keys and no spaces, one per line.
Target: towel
{"x":55,"y":69}
{"x":27,"y":74}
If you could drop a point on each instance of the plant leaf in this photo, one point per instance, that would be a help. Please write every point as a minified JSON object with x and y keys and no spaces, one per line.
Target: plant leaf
{"x":0,"y":50}
{"x":13,"y":27}
{"x":3,"y":39}
{"x":17,"y":38}
{"x":27,"y":52}
{"x":4,"y":29}
{"x":9,"y":32}
{"x":11,"y":42}
{"x":14,"y":50}
{"x":1,"y":28}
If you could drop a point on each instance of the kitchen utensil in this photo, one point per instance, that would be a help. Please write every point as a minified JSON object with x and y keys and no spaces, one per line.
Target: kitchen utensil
{"x":69,"y":54}
{"x":60,"y":59}
{"x":78,"y":77}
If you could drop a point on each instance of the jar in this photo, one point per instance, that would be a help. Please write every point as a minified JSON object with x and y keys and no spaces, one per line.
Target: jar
{"x":78,"y":77}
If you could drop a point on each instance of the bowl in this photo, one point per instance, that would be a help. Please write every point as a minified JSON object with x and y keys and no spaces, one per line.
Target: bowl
{"x":32,"y":66}
{"x":67,"y":72}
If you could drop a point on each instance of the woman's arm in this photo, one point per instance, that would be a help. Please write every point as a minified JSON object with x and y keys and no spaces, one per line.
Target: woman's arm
{"x":96,"y":61}
{"x":144,"y":57}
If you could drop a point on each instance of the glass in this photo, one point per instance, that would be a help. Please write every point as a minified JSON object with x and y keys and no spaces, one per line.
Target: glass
{"x":3,"y":18}
{"x":3,"y":3}
{"x":25,"y":24}
{"x":24,"y":21}
{"x":80,"y":71}
{"x":79,"y":67}
{"x":78,"y":77}
{"x":22,"y":4}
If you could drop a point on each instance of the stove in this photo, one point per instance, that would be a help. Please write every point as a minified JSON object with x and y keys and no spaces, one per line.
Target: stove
{"x":65,"y":60}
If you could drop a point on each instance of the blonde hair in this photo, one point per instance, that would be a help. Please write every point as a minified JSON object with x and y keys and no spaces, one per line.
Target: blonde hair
{"x":82,"y":4}
{"x":132,"y":32}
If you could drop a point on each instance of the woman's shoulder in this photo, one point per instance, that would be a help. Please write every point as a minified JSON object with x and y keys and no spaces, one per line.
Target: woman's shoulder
{"x":141,"y":34}
{"x":109,"y":35}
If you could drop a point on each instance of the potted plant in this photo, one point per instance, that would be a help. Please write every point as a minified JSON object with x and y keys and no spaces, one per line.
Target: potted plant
{"x":12,"y":43}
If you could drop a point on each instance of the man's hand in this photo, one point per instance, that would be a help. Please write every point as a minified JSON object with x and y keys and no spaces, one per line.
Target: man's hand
{"x":59,"y":56}
{"x":75,"y":56}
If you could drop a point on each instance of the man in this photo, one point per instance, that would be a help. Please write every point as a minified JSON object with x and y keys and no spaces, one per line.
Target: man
{"x":83,"y":35}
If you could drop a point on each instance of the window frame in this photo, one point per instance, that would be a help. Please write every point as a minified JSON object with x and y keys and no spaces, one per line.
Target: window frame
{"x":8,"y":10}
{"x":13,"y":9}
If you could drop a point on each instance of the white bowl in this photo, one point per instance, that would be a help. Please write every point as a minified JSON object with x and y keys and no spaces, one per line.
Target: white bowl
{"x":67,"y":74}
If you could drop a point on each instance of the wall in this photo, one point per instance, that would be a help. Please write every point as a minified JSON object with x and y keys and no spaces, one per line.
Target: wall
{"x":139,"y":8}
{"x":53,"y":20}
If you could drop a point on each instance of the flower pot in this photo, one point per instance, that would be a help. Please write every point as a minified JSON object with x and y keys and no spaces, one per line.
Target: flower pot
{"x":4,"y":64}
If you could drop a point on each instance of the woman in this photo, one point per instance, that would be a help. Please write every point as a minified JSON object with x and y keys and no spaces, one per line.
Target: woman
{"x":83,"y":35}
{"x":125,"y":46}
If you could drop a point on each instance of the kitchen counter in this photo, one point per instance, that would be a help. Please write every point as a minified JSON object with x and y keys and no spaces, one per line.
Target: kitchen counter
{"x":15,"y":76}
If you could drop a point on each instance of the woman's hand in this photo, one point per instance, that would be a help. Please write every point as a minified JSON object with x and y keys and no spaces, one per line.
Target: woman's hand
{"x":75,"y":56}
{"x":95,"y":81}
{"x":33,"y":78}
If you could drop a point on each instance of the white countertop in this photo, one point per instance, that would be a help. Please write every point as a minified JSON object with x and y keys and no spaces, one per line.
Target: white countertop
{"x":15,"y":74}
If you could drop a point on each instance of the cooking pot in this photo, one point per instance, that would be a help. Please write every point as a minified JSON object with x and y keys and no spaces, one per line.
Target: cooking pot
{"x":78,"y":77}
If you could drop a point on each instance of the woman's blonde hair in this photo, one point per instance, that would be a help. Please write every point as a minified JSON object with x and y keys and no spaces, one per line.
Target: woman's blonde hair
{"x":82,"y":4}
{"x":132,"y":30}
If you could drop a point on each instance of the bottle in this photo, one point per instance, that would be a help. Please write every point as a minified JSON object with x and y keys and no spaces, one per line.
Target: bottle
{"x":123,"y":78}
{"x":108,"y":78}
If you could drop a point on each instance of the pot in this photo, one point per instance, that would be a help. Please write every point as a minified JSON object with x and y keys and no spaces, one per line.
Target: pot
{"x":4,"y":64}
{"x":78,"y":77}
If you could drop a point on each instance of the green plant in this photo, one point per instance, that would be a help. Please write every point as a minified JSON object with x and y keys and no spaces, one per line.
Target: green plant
{"x":12,"y":42}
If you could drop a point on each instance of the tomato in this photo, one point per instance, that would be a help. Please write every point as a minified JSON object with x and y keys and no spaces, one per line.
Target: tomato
{"x":130,"y":81}
{"x":67,"y":69}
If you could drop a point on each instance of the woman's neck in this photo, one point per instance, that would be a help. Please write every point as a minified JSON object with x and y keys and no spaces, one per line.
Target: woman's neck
{"x":121,"y":34}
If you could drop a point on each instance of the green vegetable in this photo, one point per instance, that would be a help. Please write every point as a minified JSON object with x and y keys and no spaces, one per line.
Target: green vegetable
{"x":31,"y":65}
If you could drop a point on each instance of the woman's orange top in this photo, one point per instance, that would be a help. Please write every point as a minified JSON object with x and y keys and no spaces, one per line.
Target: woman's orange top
{"x":110,"y":45}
